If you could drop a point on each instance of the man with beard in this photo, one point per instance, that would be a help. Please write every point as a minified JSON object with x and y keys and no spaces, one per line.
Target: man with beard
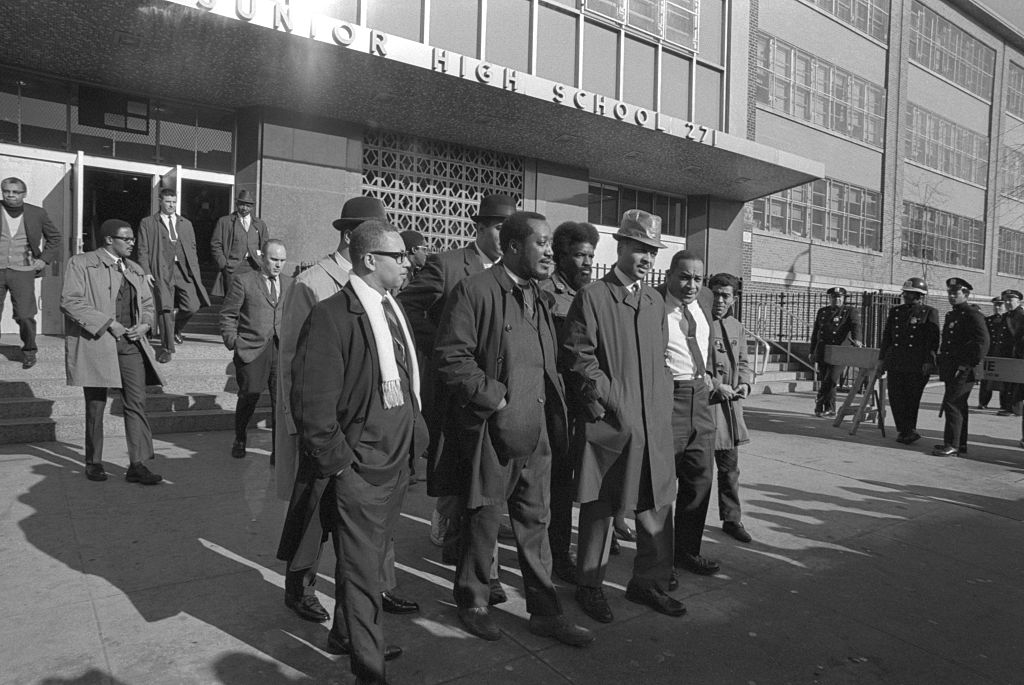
{"x":574,"y":245}
{"x":909,"y":343}
{"x":613,"y":360}
{"x":834,"y":324}
{"x":505,"y":417}
{"x":964,"y":344}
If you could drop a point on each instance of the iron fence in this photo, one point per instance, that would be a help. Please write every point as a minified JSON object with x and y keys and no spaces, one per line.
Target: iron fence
{"x":788,"y":317}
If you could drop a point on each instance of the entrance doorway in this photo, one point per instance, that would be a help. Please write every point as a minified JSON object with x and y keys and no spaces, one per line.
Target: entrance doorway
{"x":112,"y":195}
{"x":202,"y":203}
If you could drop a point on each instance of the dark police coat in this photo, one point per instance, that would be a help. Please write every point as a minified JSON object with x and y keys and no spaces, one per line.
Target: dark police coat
{"x":833,"y":326}
{"x":964,"y":341}
{"x":911,"y":338}
{"x":1000,"y":340}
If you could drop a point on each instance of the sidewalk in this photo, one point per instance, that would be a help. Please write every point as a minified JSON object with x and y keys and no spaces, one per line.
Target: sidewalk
{"x":872,"y":563}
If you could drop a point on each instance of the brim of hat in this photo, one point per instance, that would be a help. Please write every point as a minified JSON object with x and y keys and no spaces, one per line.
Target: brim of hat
{"x":477,"y":217}
{"x":646,"y":241}
{"x":349,"y":223}
{"x":914,"y":290}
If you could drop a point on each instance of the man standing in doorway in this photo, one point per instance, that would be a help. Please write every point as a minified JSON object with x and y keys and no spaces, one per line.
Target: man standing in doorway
{"x":28,"y":243}
{"x":236,"y":240}
{"x":834,"y":324}
{"x":167,"y":253}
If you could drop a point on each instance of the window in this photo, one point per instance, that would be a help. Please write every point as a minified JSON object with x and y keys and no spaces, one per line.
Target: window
{"x":1011,"y":181}
{"x":1011,"y":251}
{"x":809,"y":88}
{"x":1015,"y":90}
{"x":951,"y":52}
{"x":675,"y":21}
{"x":608,"y":202}
{"x":869,"y":16}
{"x":825,"y":209}
{"x":940,"y":144}
{"x":942,"y":237}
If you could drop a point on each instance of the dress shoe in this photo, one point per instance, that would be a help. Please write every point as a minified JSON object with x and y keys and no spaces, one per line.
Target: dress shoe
{"x":497,"y":595}
{"x":560,"y":629}
{"x":625,"y":533}
{"x":695,"y":563}
{"x":982,"y":406}
{"x":163,"y":356}
{"x":673,"y":581}
{"x":830,"y":414}
{"x":343,"y":647}
{"x":138,"y":473}
{"x":653,"y":597}
{"x":615,"y":549}
{"x":564,"y":567}
{"x":238,"y":449}
{"x":28,"y":360}
{"x":735,"y":529}
{"x":1005,"y":412}
{"x":593,"y":603}
{"x":307,"y":607}
{"x":911,"y":437}
{"x":394,"y":604}
{"x":179,"y":339}
{"x":478,"y":621}
{"x":819,"y":414}
{"x":95,"y":472}
{"x":944,"y":451}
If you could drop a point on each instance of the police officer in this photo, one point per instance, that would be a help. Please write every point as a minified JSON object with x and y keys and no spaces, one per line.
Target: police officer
{"x":964,"y":343}
{"x":909,"y":343}
{"x":1000,"y":345}
{"x":833,"y":325}
{"x":1014,"y":319}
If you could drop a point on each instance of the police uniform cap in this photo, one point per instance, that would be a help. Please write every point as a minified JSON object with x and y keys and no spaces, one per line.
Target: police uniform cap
{"x":957,"y":282}
{"x":1007,"y":294}
{"x":836,"y":291}
{"x":997,"y":300}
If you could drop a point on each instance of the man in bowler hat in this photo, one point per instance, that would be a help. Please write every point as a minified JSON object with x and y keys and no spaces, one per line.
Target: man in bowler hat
{"x":834,"y":324}
{"x":964,"y":343}
{"x":236,"y":240}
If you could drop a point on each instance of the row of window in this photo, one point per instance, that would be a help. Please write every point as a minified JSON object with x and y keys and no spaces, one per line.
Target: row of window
{"x":1015,"y":90}
{"x":1012,"y":176}
{"x":825,"y":209}
{"x":675,"y":21}
{"x":940,"y":144}
{"x":938,"y":236}
{"x":950,"y":51}
{"x":607,"y":203}
{"x":809,"y":88}
{"x":869,"y":16}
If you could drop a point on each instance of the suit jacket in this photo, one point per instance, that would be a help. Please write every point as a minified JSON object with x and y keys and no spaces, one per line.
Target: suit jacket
{"x":728,"y":365}
{"x":473,"y":363}
{"x":613,"y":360}
{"x":424,"y":298}
{"x":222,"y":245}
{"x":88,"y":300}
{"x":43,"y":237}
{"x":156,"y":257}
{"x":249,"y":320}
{"x":333,"y":410}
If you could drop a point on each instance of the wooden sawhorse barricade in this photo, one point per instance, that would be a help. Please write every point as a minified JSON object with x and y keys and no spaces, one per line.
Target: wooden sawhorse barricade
{"x":872,"y":403}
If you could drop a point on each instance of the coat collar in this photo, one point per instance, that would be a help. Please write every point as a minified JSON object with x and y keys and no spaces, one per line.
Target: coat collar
{"x":331,"y":267}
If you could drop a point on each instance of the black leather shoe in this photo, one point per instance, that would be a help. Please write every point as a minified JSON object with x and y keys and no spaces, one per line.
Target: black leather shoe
{"x":95,"y":472}
{"x":625,"y":533}
{"x":593,"y":603}
{"x":735,"y":529}
{"x":695,"y":563}
{"x":138,"y":473}
{"x":307,"y":607}
{"x":163,"y":356}
{"x":673,"y":582}
{"x":478,"y":621}
{"x":342,"y":647}
{"x":559,"y":628}
{"x":944,"y":451}
{"x":396,"y":605}
{"x":238,"y":449}
{"x":179,"y":339}
{"x":498,"y":595}
{"x":911,"y":437}
{"x":564,"y":567}
{"x":653,"y":597}
{"x":28,"y":360}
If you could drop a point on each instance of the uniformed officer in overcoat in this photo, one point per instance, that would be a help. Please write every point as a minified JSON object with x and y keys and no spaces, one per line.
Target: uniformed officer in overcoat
{"x":1014,"y":320}
{"x":1000,"y":345}
{"x":834,"y":324}
{"x":910,"y":341}
{"x":964,"y":343}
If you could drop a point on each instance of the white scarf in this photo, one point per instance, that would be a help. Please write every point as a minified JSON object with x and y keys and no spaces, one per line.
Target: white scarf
{"x":390,"y":385}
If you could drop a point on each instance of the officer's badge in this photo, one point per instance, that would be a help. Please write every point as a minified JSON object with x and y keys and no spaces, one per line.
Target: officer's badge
{"x":914,"y":320}
{"x":835,"y":319}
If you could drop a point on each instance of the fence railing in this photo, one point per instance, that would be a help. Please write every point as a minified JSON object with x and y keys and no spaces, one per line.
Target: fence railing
{"x":787,"y":317}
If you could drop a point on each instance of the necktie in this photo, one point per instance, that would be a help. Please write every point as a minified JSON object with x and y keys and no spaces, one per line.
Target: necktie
{"x":633,"y":295}
{"x":525,"y":297}
{"x":120,"y":265}
{"x":396,"y":332}
{"x":273,"y":289}
{"x":170,"y":228}
{"x":699,"y":368}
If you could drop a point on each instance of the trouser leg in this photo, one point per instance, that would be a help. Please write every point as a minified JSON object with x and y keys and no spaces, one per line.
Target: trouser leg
{"x":652,"y":564}
{"x":693,"y":437}
{"x":95,"y":406}
{"x":167,"y":330}
{"x":21,"y":285}
{"x":476,"y":555}
{"x":528,"y":510}
{"x":139,"y":434}
{"x":727,"y":462}
{"x":186,"y":298}
{"x":562,"y":491}
{"x":594,"y":542}
{"x":244,"y":410}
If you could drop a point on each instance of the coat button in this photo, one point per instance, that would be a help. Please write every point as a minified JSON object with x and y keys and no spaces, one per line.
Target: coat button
{"x":541,"y":400}
{"x":508,"y":327}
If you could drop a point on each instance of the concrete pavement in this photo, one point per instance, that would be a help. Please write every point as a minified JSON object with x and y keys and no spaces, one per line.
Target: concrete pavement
{"x":873,"y":562}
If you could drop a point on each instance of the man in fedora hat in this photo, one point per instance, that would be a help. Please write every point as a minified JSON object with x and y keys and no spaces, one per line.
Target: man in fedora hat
{"x":613,"y":360}
{"x":834,"y":324}
{"x":317,"y":283}
{"x":424,"y":299}
{"x":236,"y":240}
{"x":964,"y":344}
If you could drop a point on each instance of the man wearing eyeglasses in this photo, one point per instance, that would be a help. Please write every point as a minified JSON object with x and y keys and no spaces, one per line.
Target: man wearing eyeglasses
{"x":108,"y":307}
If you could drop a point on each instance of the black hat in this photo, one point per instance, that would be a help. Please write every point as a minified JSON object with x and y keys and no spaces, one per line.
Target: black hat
{"x":998,"y":300}
{"x":246,"y":197}
{"x":915,"y":285}
{"x":836,"y":290}
{"x":412,"y":239}
{"x":110,"y":227}
{"x":1007,"y":294}
{"x":957,"y":282}
{"x":495,"y":207}
{"x":360,"y":209}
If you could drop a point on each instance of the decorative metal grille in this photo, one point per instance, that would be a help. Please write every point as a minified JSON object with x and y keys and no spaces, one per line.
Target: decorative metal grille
{"x":434,"y":187}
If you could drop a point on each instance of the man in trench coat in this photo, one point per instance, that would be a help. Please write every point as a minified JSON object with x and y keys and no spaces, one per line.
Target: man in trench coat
{"x":108,"y":310}
{"x":613,"y":361}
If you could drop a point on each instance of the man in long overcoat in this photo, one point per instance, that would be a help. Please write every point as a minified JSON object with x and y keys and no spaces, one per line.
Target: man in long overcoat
{"x":834,"y":324}
{"x":108,"y":310}
{"x":613,"y":360}
{"x":236,"y":240}
{"x":167,"y":253}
